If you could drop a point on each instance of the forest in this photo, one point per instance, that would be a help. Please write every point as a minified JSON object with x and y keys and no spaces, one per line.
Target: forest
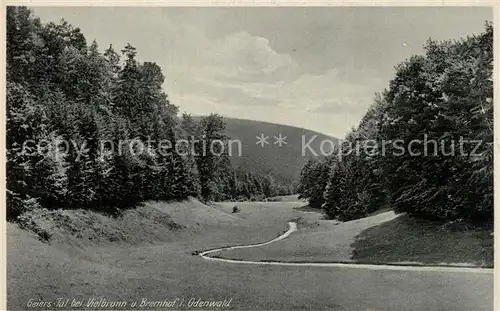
{"x":438,"y":105}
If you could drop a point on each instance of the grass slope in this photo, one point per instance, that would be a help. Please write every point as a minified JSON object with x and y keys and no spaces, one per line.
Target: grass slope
{"x":151,"y":222}
{"x":285,"y":162}
{"x":378,"y":239}
{"x":409,"y":240}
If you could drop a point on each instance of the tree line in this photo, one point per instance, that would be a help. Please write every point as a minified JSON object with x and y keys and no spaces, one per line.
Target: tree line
{"x":442,"y":98}
{"x":60,"y":89}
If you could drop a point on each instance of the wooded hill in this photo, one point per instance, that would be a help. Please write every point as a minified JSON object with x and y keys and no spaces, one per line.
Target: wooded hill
{"x":283,"y":163}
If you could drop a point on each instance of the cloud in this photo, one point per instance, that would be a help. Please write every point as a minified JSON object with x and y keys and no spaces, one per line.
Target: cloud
{"x":226,"y":68}
{"x":352,"y":106}
{"x":314,"y":91}
{"x":247,"y":55}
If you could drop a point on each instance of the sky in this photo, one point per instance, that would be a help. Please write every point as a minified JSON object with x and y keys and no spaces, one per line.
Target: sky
{"x":316,"y":68}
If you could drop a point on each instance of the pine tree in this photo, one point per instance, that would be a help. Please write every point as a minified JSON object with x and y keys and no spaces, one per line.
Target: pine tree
{"x":212,"y":129}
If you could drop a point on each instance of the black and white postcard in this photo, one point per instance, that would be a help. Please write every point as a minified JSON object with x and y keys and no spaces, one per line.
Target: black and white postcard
{"x":273,"y":157}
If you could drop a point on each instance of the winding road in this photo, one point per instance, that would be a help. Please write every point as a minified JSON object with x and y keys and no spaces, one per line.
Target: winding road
{"x":293,"y":227}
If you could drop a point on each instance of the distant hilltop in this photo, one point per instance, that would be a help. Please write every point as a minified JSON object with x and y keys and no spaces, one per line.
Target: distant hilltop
{"x":282,"y":162}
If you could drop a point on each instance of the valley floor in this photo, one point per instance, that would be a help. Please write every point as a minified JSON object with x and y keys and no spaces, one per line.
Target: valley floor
{"x":156,"y":271}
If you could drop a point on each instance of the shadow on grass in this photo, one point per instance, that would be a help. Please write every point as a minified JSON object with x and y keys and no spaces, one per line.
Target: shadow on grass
{"x":307,"y":208}
{"x":407,"y":239}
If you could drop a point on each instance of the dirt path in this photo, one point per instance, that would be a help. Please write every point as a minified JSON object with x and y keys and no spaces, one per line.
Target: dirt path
{"x":292,"y":227}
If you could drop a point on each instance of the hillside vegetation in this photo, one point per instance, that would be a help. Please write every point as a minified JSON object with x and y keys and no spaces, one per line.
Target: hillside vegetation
{"x":152,"y":222}
{"x":425,"y":143}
